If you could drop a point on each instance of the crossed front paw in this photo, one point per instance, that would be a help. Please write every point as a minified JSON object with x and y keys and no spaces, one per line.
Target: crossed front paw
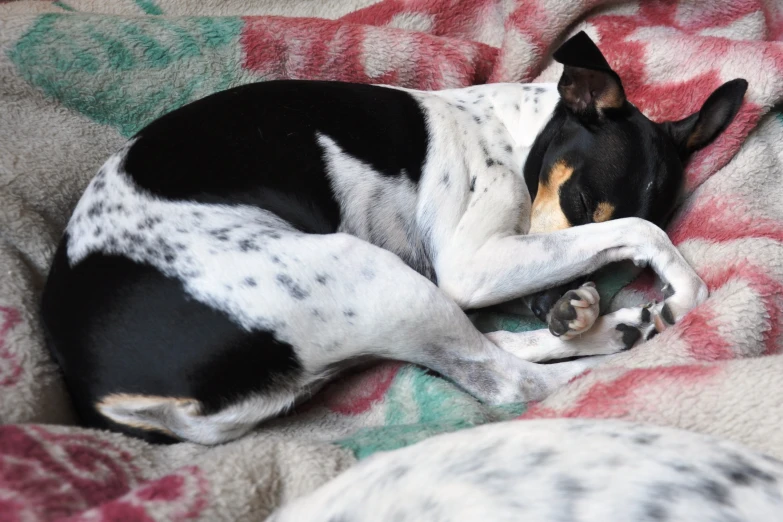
{"x":575,"y":312}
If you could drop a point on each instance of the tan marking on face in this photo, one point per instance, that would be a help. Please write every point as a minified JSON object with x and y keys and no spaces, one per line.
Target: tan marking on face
{"x":603,"y":212}
{"x":130,"y":402}
{"x":546,"y":215}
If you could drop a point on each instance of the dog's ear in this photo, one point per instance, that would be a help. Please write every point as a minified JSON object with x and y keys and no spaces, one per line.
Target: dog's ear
{"x":699,"y":129}
{"x":588,"y":83}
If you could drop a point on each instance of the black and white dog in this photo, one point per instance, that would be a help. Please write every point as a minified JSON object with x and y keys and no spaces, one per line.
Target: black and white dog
{"x":563,"y":470}
{"x":244,"y":248}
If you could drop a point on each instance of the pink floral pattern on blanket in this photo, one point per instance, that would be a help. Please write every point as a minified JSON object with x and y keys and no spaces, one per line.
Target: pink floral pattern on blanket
{"x":45,"y":475}
{"x":177,"y":497}
{"x":357,"y":394}
{"x":78,"y":477}
{"x":616,"y":396}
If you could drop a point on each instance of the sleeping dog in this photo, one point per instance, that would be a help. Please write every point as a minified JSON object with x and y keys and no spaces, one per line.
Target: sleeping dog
{"x":243,"y":249}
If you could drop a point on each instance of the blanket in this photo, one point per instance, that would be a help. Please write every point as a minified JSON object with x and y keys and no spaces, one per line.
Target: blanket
{"x":78,"y":77}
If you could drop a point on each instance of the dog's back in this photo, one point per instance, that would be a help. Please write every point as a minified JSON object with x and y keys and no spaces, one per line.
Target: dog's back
{"x":148,"y":292}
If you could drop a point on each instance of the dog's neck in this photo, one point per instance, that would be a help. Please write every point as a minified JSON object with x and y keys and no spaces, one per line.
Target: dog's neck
{"x":523,"y":109}
{"x":537,"y":104}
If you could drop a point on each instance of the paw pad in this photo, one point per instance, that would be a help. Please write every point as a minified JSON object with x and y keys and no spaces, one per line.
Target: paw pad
{"x":630,"y":335}
{"x":575,"y":312}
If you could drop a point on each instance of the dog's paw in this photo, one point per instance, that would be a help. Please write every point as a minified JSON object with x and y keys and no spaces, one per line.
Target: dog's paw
{"x":656,"y":317}
{"x":575,"y":312}
{"x":614,"y":333}
{"x":628,"y":327}
{"x":678,"y":303}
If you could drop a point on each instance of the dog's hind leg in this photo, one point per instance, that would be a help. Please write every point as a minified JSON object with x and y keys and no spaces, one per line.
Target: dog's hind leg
{"x":331,"y":300}
{"x":364,"y":301}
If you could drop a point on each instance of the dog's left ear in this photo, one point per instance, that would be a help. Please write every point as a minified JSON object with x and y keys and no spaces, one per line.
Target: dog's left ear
{"x":699,"y":129}
{"x":588,"y":83}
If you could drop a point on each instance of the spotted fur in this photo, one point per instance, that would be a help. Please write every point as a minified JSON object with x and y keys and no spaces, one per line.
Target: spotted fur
{"x":554,"y":470}
{"x":243,"y":249}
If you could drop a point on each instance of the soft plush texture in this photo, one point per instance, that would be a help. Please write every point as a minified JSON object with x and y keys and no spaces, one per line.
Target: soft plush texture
{"x":77,"y":77}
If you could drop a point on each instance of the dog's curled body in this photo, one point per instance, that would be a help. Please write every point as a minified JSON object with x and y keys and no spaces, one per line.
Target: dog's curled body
{"x":286,"y":262}
{"x":242,"y":249}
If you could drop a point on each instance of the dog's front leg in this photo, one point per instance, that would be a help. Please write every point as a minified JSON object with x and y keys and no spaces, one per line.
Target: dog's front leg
{"x":506,"y":267}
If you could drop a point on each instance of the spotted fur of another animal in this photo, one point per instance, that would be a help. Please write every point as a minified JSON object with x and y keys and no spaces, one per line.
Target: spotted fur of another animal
{"x":571,"y":470}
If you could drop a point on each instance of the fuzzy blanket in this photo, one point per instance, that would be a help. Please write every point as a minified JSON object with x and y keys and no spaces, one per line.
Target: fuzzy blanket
{"x":77,"y":77}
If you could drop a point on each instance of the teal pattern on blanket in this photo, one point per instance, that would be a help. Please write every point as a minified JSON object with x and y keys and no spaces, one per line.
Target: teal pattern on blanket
{"x":149,"y":7}
{"x":125,"y":72}
{"x":419,"y":405}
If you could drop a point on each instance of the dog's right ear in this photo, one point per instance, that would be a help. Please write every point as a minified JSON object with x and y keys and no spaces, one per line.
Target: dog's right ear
{"x":698,"y":130}
{"x":588,"y":84}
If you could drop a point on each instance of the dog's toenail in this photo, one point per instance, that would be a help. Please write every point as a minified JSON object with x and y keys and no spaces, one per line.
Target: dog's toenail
{"x":652,"y":334}
{"x":645,"y":315}
{"x":660,"y":324}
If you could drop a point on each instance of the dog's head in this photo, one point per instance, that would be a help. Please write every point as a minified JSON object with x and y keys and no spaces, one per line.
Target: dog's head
{"x":600,"y":158}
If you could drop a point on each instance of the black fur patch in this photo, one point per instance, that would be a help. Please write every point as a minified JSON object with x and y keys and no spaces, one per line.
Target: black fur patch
{"x":630,"y":335}
{"x":256,"y":144}
{"x":115,"y":325}
{"x":666,"y":314}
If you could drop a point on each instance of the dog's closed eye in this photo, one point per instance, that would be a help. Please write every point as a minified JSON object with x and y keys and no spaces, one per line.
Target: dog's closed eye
{"x":585,"y":203}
